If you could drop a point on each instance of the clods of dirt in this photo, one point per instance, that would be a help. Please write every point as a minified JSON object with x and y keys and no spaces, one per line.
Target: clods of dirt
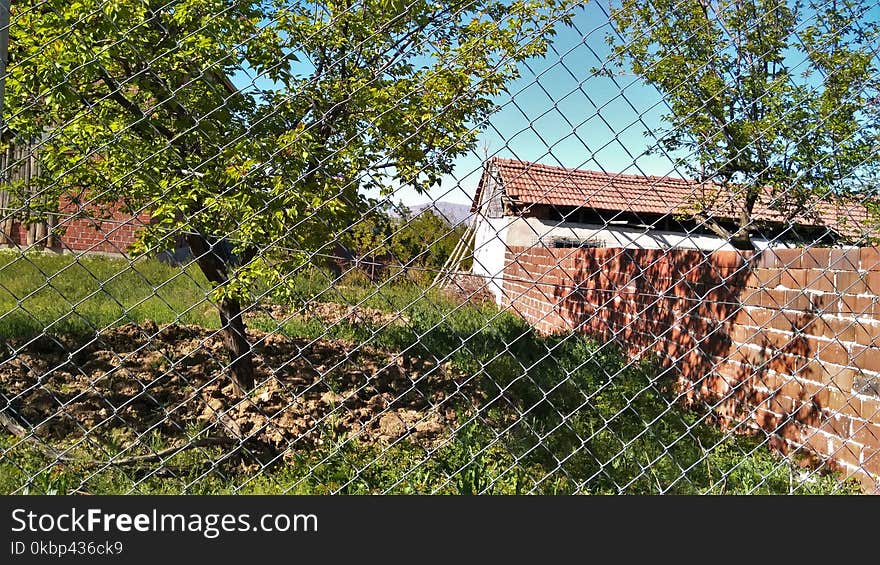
{"x":136,"y":380}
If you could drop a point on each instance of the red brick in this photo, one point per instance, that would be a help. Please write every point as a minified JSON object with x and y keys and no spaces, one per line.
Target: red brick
{"x":732,"y":259}
{"x":814,"y":372}
{"x":782,"y":321}
{"x":815,"y":258}
{"x":769,"y":277}
{"x":745,"y":356}
{"x":872,"y":282}
{"x":774,"y":299}
{"x":742,"y":334}
{"x":768,"y":259}
{"x":871,"y":461}
{"x":870,"y":409}
{"x":789,"y":258}
{"x":781,"y":404}
{"x":867,"y":433}
{"x":793,"y":389}
{"x":825,"y":303}
{"x":813,"y":325}
{"x":838,"y":425}
{"x":789,"y":278}
{"x":867,"y":358}
{"x":866,"y":334}
{"x":841,"y":330}
{"x":752,"y":298}
{"x":844,"y":259}
{"x":822,"y":281}
{"x":833,"y":352}
{"x":753,"y":316}
{"x":856,"y":305}
{"x":796,"y":300}
{"x":766,"y":418}
{"x":845,"y":404}
{"x":847,"y":452}
{"x":849,"y":282}
{"x":819,"y":443}
{"x":869,"y":258}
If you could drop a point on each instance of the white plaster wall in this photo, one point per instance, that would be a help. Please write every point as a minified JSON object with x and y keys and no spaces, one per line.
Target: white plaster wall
{"x":489,"y":247}
{"x":531,"y":231}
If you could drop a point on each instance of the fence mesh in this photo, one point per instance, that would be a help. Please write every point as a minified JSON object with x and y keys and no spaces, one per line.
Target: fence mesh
{"x":395,"y":246}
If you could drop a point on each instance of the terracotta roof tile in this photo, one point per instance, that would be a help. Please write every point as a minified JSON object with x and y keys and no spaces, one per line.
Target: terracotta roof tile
{"x":534,"y":183}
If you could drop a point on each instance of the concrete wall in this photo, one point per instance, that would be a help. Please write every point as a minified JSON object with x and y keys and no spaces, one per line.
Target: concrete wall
{"x":490,"y":248}
{"x":529,"y":231}
{"x":495,"y":235}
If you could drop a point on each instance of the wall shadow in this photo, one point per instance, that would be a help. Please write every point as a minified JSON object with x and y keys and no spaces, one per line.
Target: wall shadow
{"x":725,"y":345}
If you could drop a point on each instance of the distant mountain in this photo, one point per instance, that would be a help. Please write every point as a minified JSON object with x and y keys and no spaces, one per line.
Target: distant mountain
{"x":453,"y":213}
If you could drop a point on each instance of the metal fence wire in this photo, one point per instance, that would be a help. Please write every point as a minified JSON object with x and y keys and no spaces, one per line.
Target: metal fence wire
{"x":402,"y":246}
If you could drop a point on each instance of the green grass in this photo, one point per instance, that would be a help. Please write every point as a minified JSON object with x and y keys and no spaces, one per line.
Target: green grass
{"x":58,"y":293}
{"x":474,"y":461}
{"x":556,"y":414}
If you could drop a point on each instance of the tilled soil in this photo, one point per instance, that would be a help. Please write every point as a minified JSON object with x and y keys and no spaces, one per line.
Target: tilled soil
{"x":136,"y":380}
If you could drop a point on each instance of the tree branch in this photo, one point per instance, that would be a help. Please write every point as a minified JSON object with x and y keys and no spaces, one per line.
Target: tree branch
{"x":714,"y":226}
{"x":132,"y":108}
{"x":165,"y":453}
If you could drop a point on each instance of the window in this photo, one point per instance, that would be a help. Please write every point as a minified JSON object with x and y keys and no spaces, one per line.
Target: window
{"x":564,"y":242}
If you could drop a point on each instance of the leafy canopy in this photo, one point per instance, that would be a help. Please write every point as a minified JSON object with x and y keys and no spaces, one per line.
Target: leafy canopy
{"x":395,"y":240}
{"x":259,"y":121}
{"x":763,"y":93}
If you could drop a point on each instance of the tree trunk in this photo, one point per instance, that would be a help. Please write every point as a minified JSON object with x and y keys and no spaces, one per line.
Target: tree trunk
{"x":241,"y":362}
{"x":742,"y":241}
{"x":740,"y":238}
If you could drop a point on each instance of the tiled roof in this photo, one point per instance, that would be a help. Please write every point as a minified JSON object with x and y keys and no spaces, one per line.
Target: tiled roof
{"x":532,"y":183}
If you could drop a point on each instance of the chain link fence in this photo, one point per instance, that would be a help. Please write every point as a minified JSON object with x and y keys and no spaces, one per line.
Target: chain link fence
{"x":396,"y":246}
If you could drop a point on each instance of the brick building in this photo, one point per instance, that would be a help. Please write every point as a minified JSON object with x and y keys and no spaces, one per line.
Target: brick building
{"x":522,"y":204}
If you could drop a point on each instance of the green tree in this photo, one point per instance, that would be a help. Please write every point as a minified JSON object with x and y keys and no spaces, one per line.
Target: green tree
{"x":418,"y":244}
{"x":424,"y":241}
{"x":765,"y":95}
{"x":133,"y":102}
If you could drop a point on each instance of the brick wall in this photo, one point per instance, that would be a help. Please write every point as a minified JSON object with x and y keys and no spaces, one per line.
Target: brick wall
{"x":787,"y":341}
{"x":111,"y":231}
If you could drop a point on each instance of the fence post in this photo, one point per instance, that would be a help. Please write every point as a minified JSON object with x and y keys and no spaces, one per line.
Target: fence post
{"x":4,"y":48}
{"x":5,"y":224}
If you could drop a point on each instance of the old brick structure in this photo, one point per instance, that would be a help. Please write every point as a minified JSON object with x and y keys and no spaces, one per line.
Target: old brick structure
{"x":784,"y":342}
{"x":80,"y":225}
{"x":520,"y":203}
{"x":110,"y":230}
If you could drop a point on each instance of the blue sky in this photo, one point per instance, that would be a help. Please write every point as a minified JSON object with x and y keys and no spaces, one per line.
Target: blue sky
{"x":556,"y":113}
{"x":559,"y":113}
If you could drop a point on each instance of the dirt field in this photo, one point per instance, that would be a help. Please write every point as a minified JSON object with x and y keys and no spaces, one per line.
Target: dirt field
{"x":137,"y":379}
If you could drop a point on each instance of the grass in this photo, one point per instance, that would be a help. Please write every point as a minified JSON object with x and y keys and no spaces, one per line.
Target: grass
{"x":558,"y":414}
{"x":60,"y":294}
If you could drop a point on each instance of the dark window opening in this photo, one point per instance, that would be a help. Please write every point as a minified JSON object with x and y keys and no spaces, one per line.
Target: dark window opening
{"x":564,"y":242}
